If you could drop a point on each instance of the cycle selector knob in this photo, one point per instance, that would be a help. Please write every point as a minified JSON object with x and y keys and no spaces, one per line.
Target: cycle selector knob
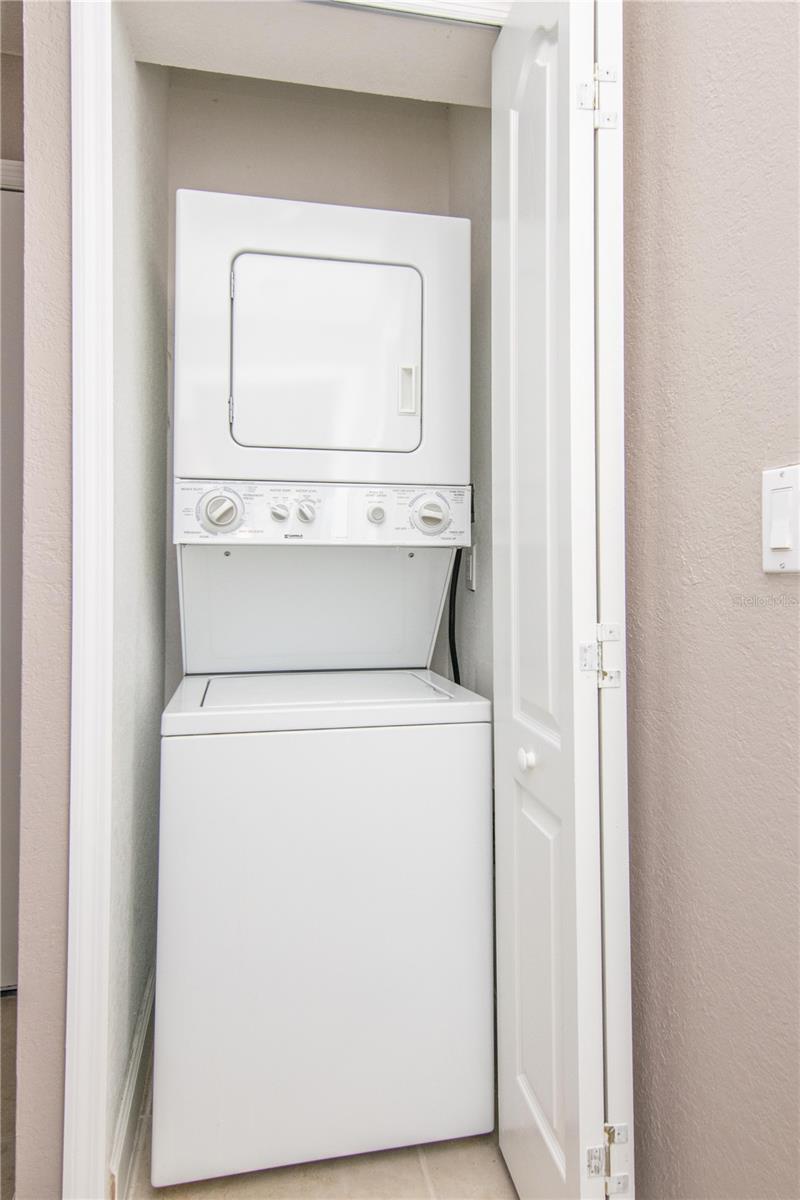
{"x":221,"y":512}
{"x":306,"y":512}
{"x":431,"y":514}
{"x":279,"y":512}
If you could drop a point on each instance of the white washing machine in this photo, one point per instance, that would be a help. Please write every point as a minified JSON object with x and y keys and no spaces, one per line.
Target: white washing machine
{"x":325,"y":919}
{"x":324,"y":972}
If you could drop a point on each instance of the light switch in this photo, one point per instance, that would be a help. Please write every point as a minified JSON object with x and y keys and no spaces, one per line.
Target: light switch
{"x":780,"y":519}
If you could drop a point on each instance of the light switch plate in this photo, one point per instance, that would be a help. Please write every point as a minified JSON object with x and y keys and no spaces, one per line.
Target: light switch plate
{"x":780,"y":520}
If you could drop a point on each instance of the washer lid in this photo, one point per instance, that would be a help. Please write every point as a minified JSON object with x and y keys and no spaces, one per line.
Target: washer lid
{"x":210,"y":704}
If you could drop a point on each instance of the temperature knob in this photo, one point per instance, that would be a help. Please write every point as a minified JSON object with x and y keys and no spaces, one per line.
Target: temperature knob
{"x":306,"y":511}
{"x":431,"y":514}
{"x":279,"y":512}
{"x":376,"y":513}
{"x":220,"y":512}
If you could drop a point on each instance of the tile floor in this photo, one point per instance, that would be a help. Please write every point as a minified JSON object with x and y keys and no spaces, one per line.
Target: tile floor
{"x":8,"y":1092}
{"x":469,"y":1169}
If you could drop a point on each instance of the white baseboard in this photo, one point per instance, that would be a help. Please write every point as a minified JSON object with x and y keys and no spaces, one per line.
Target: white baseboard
{"x":133,"y":1094}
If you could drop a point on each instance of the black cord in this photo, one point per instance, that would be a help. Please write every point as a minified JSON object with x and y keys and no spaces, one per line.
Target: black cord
{"x":452,"y":615}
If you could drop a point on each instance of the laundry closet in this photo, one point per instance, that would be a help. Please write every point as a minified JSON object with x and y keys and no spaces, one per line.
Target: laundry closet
{"x":368,"y":616}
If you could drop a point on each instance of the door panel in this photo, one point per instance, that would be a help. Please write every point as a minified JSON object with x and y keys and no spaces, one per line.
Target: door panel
{"x":324,"y":982}
{"x":550,"y":1016}
{"x":326,"y":354}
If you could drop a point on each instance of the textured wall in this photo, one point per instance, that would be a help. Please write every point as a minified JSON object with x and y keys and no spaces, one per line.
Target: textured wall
{"x":140,"y":428}
{"x":44,"y":798}
{"x":712,"y":396}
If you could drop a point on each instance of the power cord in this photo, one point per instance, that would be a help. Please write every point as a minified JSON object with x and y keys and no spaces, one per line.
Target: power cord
{"x":452,"y":617}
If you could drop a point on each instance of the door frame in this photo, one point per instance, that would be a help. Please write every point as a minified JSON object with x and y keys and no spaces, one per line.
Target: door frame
{"x":610,"y":517}
{"x":86,"y":1122}
{"x":12,"y":180}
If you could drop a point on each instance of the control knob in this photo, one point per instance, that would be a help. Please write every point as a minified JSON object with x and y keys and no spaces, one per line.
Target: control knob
{"x":431,"y":514}
{"x":279,"y":512}
{"x":306,"y":511}
{"x":376,"y":513}
{"x":221,"y":512}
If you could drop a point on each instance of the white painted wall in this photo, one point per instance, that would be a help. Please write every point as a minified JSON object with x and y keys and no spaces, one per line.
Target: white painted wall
{"x":140,"y":391}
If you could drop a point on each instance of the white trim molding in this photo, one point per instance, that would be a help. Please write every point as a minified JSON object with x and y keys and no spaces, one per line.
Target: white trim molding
{"x":126,"y":1136}
{"x":86,"y":1125}
{"x":475,"y":12}
{"x":12,"y":175}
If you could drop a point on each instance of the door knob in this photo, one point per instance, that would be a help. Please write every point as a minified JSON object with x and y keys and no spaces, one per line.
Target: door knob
{"x":525,"y":759}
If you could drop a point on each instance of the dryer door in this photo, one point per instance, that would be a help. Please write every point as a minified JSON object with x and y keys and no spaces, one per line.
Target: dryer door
{"x":326,"y":354}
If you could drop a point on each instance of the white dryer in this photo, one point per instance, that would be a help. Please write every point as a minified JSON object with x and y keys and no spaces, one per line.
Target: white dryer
{"x":320,"y":342}
{"x":325,"y":919}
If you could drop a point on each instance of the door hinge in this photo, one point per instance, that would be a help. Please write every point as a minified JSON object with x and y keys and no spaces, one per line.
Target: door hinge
{"x":589,"y":97}
{"x":590,"y":656}
{"x":232,"y":284}
{"x":600,"y":1164}
{"x":230,"y":411}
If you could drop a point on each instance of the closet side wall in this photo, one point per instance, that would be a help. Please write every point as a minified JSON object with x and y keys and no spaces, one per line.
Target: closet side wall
{"x":140,"y":391}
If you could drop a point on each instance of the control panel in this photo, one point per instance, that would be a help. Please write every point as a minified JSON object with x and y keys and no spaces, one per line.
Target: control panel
{"x":319,"y":514}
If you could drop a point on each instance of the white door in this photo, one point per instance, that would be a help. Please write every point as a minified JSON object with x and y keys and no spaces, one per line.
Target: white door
{"x":326,"y":354}
{"x":547,"y":605}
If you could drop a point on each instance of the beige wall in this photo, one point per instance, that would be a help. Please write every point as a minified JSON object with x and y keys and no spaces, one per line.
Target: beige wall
{"x":46,"y":604}
{"x":712,"y":398}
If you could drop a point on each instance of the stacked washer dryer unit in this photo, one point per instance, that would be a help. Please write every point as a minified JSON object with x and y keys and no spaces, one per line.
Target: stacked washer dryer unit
{"x":324,"y":973}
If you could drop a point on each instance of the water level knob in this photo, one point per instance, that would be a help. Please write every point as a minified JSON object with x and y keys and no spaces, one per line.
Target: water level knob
{"x":306,"y":511}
